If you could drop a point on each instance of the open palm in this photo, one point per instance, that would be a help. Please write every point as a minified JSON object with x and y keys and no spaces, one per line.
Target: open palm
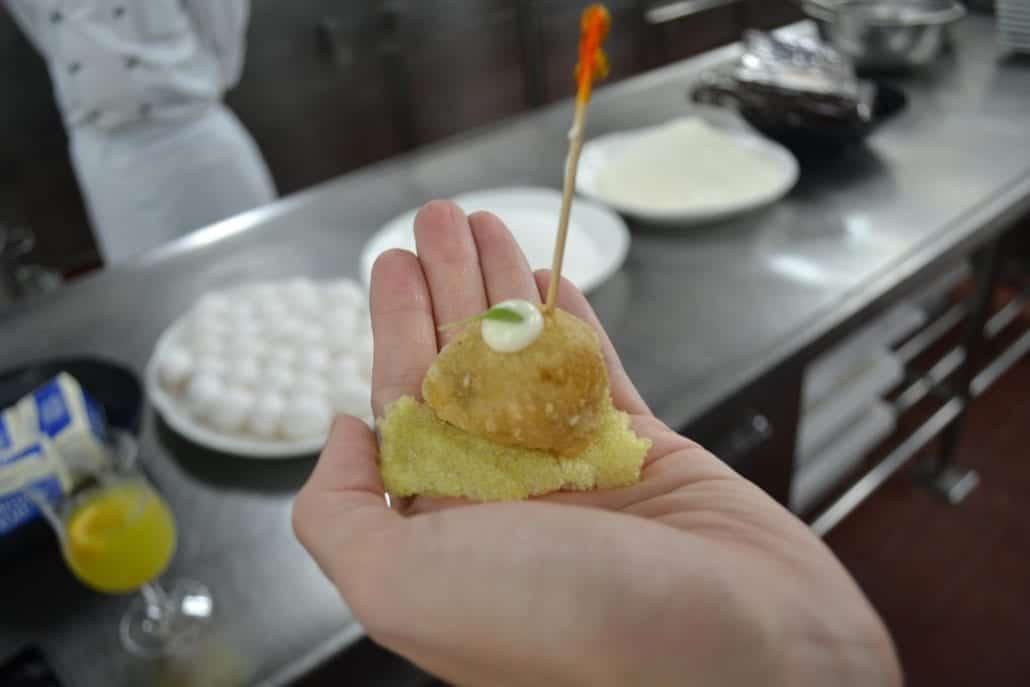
{"x":691,"y":576}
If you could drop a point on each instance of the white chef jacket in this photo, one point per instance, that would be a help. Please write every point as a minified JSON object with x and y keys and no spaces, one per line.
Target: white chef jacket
{"x":139,"y":84}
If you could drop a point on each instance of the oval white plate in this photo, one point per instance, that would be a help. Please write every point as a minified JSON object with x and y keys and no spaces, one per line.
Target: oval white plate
{"x":597,"y":245}
{"x":600,"y":152}
{"x":179,"y":419}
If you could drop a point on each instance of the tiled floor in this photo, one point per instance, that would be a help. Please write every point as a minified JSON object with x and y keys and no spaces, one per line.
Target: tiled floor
{"x":953,"y":583}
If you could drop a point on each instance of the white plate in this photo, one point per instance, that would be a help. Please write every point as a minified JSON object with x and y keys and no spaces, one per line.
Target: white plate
{"x":599,"y":153}
{"x":183,"y":423}
{"x":597,"y":245}
{"x":260,"y":320}
{"x":843,"y":454}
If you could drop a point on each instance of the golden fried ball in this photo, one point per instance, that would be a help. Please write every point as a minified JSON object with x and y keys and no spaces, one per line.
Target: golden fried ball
{"x":549,"y":396}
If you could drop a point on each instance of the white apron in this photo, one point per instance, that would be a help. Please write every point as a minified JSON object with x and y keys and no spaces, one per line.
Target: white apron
{"x":147,"y":185}
{"x":140,"y":85}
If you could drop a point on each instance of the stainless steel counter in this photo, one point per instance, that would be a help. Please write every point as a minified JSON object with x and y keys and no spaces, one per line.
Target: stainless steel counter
{"x":696,"y":315}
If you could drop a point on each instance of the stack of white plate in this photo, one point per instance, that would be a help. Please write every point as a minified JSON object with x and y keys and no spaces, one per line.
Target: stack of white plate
{"x":842,"y":416}
{"x":598,"y":240}
{"x":259,"y":370}
{"x":1014,"y":25}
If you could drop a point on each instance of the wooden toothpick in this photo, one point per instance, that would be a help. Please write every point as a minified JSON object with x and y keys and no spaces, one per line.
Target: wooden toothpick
{"x":569,"y":190}
{"x":593,"y":64}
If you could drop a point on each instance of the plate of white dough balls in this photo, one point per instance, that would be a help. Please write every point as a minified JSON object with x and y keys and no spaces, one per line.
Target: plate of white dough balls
{"x":260,"y":370}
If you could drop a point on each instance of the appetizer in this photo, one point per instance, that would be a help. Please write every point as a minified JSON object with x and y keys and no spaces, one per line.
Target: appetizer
{"x":518,"y":403}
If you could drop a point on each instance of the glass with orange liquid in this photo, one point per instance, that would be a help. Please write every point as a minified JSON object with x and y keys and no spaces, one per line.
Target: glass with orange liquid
{"x":118,"y":536}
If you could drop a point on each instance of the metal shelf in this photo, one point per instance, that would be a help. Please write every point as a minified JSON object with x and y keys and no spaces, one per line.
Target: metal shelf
{"x":1000,"y":365}
{"x":887,"y":467}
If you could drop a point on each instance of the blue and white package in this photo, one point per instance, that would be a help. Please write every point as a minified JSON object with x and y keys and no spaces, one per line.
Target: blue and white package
{"x":13,"y":433}
{"x":70,"y":418}
{"x":34,"y":467}
{"x":50,"y":441}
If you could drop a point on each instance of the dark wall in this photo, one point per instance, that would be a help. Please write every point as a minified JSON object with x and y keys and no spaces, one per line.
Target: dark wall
{"x":313,"y":91}
{"x":37,"y":185}
{"x":332,"y":85}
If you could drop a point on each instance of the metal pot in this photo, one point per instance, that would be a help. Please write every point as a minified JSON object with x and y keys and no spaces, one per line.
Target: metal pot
{"x":17,"y":279}
{"x":15,"y":244}
{"x":883,"y":35}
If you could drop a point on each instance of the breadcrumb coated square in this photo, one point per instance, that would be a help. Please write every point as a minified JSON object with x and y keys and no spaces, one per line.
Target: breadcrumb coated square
{"x":422,"y":454}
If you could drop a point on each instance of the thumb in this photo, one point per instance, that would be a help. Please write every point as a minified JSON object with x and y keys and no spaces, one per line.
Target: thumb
{"x":342,"y":507}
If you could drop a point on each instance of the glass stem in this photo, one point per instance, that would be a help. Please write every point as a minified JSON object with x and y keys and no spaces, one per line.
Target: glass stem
{"x":159,"y":607}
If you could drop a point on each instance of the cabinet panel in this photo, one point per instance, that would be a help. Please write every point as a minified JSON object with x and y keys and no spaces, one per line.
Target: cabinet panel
{"x":756,"y":431}
{"x":454,"y":65}
{"x":314,"y":93}
{"x":688,"y":27}
{"x":38,"y":188}
{"x":769,"y":14}
{"x":556,"y":27}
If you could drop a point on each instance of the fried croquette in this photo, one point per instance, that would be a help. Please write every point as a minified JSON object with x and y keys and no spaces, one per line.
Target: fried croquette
{"x":551,"y":396}
{"x":422,"y":454}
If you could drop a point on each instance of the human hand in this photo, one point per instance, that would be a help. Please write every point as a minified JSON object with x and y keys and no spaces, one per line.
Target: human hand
{"x":692,"y":575}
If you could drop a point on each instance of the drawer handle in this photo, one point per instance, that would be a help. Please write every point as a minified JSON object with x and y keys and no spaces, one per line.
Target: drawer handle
{"x":673,"y":11}
{"x":749,"y":434}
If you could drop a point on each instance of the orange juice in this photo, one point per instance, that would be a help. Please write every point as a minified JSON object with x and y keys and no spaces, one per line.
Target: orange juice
{"x":120,"y":538}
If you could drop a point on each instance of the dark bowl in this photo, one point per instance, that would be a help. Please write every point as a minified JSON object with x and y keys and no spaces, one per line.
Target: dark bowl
{"x":806,"y":123}
{"x":116,"y":388}
{"x":807,"y":132}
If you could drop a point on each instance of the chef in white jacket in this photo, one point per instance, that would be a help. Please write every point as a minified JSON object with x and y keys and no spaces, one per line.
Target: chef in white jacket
{"x":140,"y":85}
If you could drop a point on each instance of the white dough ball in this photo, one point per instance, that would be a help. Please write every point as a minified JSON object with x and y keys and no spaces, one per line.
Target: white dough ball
{"x":230,"y":411}
{"x":303,"y":296}
{"x":206,"y":343}
{"x":338,"y":340}
{"x":203,"y":326}
{"x":245,"y":372}
{"x":216,"y":365}
{"x":363,"y":346}
{"x":290,"y":330}
{"x":345,"y":293}
{"x":309,"y":334}
{"x":212,"y":304}
{"x":347,"y":316}
{"x":345,"y":368}
{"x":202,"y":393}
{"x":247,"y":347}
{"x":263,"y":292}
{"x":240,"y":311}
{"x":340,"y":321}
{"x":313,"y":359}
{"x":363,"y":334}
{"x":208,"y":348}
{"x":267,"y":415}
{"x":279,"y":378}
{"x":272,"y":310}
{"x":312,"y":385}
{"x":366,"y":368}
{"x":363,"y":352}
{"x":246,"y":328}
{"x":175,"y":367}
{"x":295,"y":284}
{"x":307,"y":417}
{"x":351,"y":397}
{"x":281,"y":356}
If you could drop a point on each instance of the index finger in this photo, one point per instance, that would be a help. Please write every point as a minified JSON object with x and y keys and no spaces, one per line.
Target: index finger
{"x":403,"y":328}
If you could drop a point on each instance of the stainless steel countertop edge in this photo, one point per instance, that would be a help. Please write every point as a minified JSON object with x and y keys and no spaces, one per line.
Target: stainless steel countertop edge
{"x":986,"y":221}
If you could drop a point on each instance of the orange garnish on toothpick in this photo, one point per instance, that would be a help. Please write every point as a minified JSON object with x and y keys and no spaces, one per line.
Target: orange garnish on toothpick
{"x":592,"y":66}
{"x":593,"y":63}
